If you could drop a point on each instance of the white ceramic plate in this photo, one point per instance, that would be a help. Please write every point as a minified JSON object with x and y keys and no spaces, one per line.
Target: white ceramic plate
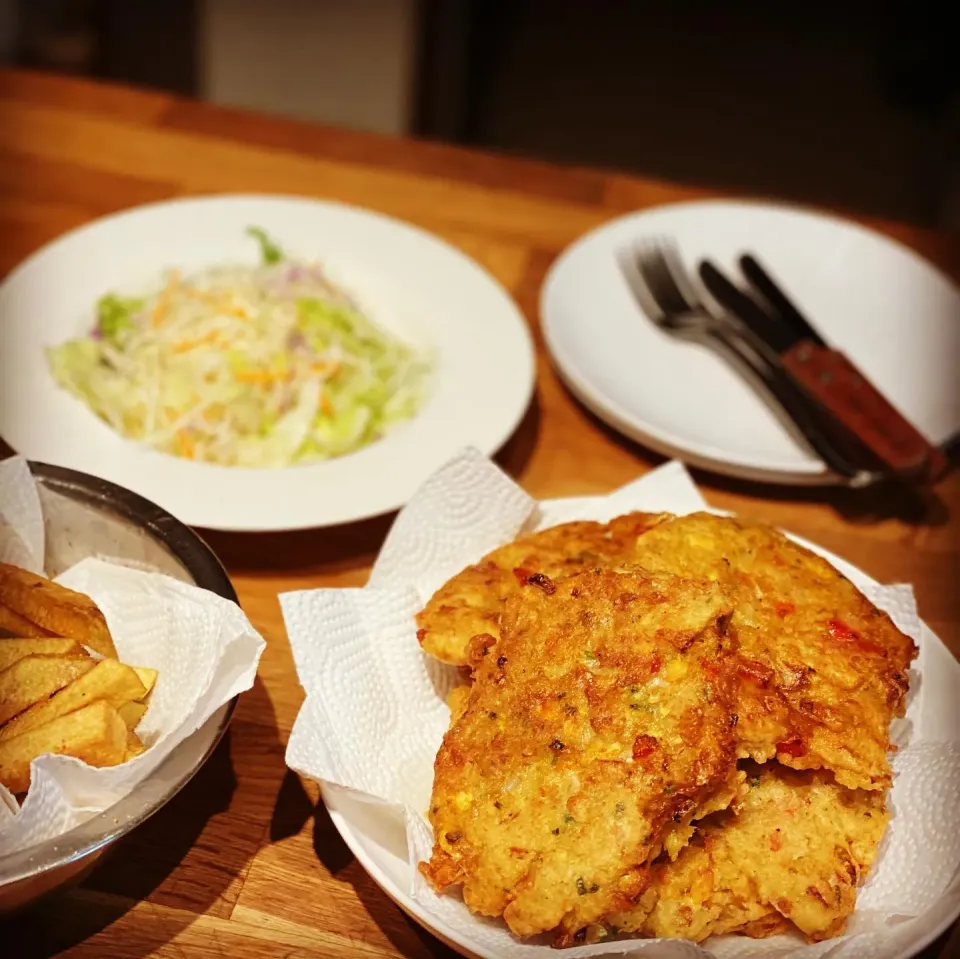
{"x":408,"y":280}
{"x":890,"y":311}
{"x":382,"y":850}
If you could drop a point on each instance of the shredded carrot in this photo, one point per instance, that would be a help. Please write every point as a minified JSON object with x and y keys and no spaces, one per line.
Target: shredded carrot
{"x":324,"y":368}
{"x":260,"y":377}
{"x":225,"y":305}
{"x":185,"y":444}
{"x":203,"y":296}
{"x":326,"y":405}
{"x":263,"y":377}
{"x":186,"y":345}
{"x":163,"y":301}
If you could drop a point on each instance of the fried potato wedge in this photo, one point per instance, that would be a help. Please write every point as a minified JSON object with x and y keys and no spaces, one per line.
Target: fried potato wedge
{"x":13,"y":650}
{"x":12,"y":623}
{"x":132,"y":713}
{"x":60,"y":611}
{"x":96,"y":734}
{"x":148,"y":677}
{"x":135,"y":746}
{"x":109,"y":681}
{"x":36,"y":678}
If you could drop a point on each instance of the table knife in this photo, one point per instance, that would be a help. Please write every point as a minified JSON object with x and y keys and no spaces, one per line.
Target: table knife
{"x":827,"y":375}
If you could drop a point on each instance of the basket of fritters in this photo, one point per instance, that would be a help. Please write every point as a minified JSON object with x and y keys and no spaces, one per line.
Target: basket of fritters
{"x":662,"y":723}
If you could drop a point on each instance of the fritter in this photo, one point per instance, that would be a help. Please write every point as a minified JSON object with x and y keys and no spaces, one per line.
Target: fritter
{"x":823,"y":670}
{"x":457,"y":701}
{"x":598,"y":726}
{"x":471,"y":602}
{"x":791,"y":851}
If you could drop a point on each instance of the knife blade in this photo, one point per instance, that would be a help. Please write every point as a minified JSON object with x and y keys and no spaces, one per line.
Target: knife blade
{"x":779,"y":302}
{"x":765,"y":325}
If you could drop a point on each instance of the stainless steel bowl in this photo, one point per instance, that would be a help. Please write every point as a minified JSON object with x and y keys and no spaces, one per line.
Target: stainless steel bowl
{"x":86,"y":516}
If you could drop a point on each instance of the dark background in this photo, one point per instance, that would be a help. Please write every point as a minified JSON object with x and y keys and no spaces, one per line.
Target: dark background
{"x":847,"y":104}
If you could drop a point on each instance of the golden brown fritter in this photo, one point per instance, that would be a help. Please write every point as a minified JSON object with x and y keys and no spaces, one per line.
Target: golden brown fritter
{"x":597,"y":727}
{"x":793,"y":848}
{"x":471,"y":602}
{"x":457,"y":701}
{"x":823,"y":670}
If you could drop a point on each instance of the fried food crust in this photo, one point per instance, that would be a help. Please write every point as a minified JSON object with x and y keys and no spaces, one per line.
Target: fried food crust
{"x":13,"y":624}
{"x":471,"y":602}
{"x":823,"y":670}
{"x":56,"y":610}
{"x":792,"y":850}
{"x":600,"y":722}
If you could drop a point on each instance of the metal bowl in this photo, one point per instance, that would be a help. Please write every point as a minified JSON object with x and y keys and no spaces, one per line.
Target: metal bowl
{"x":85,"y":516}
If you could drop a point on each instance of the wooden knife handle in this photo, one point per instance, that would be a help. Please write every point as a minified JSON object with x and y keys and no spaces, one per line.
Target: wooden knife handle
{"x":839,"y":386}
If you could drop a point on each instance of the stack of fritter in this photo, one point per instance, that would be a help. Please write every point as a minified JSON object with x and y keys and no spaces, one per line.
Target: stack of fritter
{"x":674,"y":727}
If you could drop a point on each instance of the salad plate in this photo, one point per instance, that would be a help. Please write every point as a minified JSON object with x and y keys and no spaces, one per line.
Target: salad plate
{"x":258,"y":362}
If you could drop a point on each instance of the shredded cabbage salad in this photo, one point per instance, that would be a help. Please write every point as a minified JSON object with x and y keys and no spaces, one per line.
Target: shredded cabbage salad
{"x":263,"y":366}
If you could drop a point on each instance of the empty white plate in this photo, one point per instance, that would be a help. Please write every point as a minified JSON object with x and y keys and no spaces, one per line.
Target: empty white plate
{"x":408,"y":280}
{"x":891,"y":312}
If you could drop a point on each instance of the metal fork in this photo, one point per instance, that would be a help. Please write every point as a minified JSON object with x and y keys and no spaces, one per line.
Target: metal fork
{"x":661,"y":287}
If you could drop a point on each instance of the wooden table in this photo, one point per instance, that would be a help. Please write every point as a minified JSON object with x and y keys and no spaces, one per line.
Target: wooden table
{"x":243,"y":862}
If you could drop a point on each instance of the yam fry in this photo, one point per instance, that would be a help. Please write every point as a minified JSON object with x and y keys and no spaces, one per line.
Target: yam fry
{"x":135,"y":746}
{"x":109,"y":681}
{"x":16,"y":625}
{"x":132,"y":713}
{"x":13,"y":650}
{"x":36,"y":678}
{"x":96,"y":734}
{"x":60,"y":611}
{"x":148,"y":677}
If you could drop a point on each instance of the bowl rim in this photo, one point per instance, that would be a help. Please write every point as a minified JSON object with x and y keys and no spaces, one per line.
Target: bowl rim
{"x":189,"y":548}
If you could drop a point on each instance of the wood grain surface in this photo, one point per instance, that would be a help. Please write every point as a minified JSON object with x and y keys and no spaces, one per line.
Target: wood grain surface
{"x":244,"y":863}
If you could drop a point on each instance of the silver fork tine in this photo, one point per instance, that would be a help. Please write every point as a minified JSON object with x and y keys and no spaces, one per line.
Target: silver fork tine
{"x":681,"y":276}
{"x":660,"y":264}
{"x":629,"y":261}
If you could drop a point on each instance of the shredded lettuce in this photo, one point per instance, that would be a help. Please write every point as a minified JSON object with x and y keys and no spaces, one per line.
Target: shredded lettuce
{"x":262,"y":366}
{"x":270,"y":253}
{"x":115,"y":315}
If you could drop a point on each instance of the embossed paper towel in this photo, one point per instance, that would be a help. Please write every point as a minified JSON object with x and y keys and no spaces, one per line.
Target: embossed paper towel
{"x":204,"y":648}
{"x":375,"y":712}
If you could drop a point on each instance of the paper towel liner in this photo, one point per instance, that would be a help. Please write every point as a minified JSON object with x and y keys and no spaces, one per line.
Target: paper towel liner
{"x":204,"y":648}
{"x":375,"y":714}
